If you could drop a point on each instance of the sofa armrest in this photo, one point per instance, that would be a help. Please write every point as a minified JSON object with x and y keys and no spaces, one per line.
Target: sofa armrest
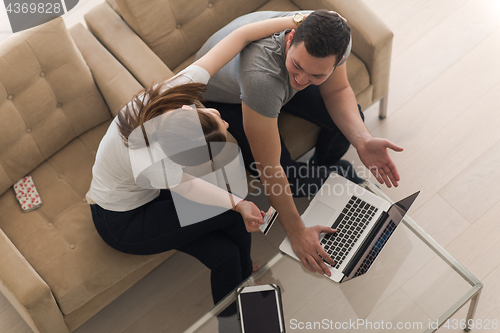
{"x":126,"y":46}
{"x":372,"y":38}
{"x":116,"y":84}
{"x":27,"y":292}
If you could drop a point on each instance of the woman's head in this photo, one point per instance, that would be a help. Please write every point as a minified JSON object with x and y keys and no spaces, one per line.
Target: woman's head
{"x":214,"y":127}
{"x":188,"y":136}
{"x":166,"y":116}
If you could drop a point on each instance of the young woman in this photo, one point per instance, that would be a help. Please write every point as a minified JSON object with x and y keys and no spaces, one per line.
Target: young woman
{"x":143,"y":220}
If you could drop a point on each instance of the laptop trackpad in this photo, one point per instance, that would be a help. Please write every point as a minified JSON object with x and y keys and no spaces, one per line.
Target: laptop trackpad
{"x":319,"y":214}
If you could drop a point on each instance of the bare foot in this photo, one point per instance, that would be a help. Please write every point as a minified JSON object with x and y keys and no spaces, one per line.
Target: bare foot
{"x":255,"y":268}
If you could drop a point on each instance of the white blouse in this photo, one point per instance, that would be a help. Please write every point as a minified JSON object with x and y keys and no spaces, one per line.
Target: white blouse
{"x":124,"y":179}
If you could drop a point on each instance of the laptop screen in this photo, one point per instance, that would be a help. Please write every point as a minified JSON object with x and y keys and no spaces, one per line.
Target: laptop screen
{"x":375,"y":250}
{"x":379,"y":236}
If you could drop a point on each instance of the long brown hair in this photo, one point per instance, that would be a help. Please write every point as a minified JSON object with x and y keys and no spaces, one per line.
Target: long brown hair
{"x":155,"y":101}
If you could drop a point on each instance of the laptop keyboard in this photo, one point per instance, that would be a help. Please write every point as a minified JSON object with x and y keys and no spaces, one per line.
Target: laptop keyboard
{"x":350,"y":225}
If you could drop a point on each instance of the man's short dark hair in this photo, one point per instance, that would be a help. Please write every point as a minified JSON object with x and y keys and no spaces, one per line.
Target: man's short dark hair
{"x":324,"y":33}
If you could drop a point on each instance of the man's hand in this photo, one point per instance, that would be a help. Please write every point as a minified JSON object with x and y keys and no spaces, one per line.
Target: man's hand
{"x":306,"y":246}
{"x":252,"y":215}
{"x":374,"y":155}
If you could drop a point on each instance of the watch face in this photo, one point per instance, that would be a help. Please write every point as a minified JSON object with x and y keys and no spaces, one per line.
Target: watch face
{"x":298,"y":18}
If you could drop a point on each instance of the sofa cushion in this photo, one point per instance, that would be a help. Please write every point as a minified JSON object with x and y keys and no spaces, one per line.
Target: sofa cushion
{"x":357,"y":74}
{"x":114,"y":5}
{"x":47,"y":98}
{"x":59,"y":239}
{"x":176,"y":29}
{"x":279,"y":5}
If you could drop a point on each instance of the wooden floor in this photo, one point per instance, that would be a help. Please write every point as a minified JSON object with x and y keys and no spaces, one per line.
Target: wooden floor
{"x":444,"y":109}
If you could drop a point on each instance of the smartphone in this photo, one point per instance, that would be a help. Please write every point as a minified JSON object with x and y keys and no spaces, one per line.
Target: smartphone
{"x":26,"y":194}
{"x":260,"y":309}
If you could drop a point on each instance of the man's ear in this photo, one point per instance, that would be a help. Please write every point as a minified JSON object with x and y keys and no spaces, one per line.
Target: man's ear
{"x":290,"y":37}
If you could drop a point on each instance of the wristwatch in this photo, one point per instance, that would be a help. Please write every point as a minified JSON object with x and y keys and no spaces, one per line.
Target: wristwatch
{"x":298,"y":18}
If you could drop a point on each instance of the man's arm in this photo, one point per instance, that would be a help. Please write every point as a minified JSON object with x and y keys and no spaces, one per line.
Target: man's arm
{"x":265,"y":143}
{"x":341,"y":104}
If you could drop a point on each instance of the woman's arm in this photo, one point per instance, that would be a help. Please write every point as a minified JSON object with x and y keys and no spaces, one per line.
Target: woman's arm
{"x":203,"y":192}
{"x":233,"y":43}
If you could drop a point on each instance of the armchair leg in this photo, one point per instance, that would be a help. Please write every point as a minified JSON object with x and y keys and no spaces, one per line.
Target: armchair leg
{"x":383,"y":107}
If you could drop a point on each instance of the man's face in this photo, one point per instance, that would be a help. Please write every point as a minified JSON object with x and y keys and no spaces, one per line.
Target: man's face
{"x":304,"y":69}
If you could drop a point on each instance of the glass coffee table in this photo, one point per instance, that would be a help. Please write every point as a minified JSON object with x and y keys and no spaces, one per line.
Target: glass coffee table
{"x":413,"y":286}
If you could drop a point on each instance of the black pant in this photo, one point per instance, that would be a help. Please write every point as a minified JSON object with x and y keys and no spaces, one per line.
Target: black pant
{"x":330,"y":146}
{"x":221,"y":243}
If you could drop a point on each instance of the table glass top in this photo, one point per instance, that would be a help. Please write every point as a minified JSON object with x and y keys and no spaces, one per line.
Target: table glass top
{"x":407,"y":289}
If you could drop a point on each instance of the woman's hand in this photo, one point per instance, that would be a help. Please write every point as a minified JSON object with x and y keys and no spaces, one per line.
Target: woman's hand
{"x":252,"y":215}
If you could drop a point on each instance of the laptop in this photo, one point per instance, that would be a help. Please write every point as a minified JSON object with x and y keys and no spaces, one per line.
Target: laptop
{"x":364,"y":223}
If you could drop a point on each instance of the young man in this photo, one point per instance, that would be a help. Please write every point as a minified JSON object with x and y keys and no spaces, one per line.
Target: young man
{"x":302,"y":72}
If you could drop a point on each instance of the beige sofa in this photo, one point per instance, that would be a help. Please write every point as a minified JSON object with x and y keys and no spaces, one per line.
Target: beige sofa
{"x":58,"y":94}
{"x":57,"y":99}
{"x":154,"y":38}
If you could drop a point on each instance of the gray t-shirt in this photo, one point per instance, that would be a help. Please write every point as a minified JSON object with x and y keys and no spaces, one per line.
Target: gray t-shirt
{"x":257,"y":75}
